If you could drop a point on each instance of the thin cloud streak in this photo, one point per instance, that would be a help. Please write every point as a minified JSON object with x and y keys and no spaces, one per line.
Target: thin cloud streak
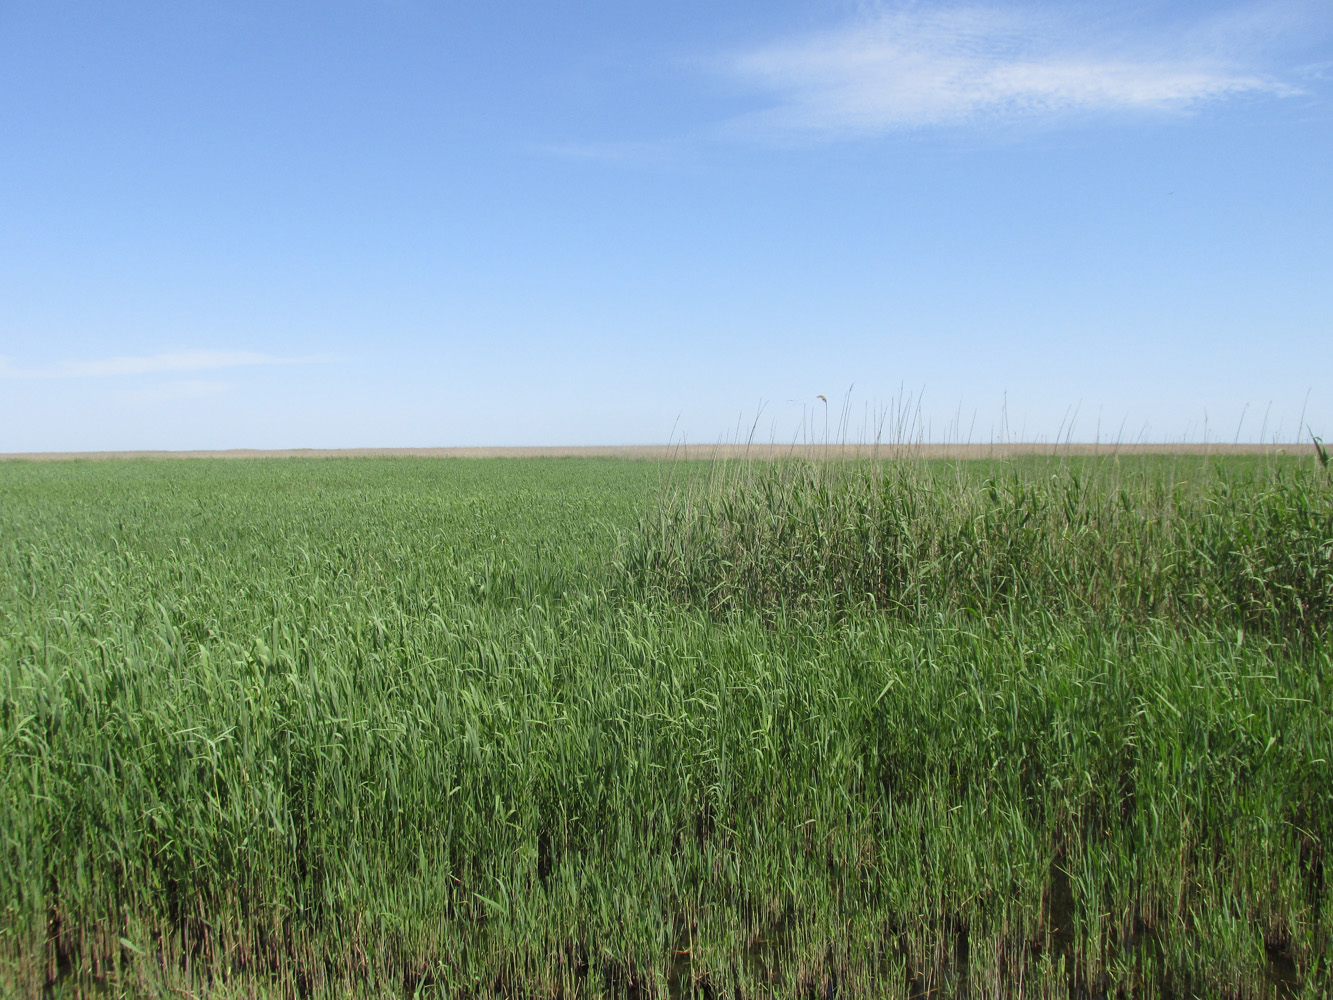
{"x":919,"y":67}
{"x":178,"y":391}
{"x":180,"y":361}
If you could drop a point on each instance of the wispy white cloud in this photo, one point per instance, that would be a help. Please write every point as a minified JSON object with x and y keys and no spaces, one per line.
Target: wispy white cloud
{"x":180,"y":361}
{"x":1319,"y":71}
{"x":923,"y":65}
{"x":178,"y":390}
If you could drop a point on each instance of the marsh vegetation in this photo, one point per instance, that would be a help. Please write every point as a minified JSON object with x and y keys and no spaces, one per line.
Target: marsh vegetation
{"x":402,"y":727}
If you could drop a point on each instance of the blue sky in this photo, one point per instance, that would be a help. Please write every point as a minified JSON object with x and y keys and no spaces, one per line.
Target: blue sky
{"x":227,"y":223}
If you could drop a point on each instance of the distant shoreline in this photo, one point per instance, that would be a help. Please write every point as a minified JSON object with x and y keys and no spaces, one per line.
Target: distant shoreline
{"x":654,"y":452}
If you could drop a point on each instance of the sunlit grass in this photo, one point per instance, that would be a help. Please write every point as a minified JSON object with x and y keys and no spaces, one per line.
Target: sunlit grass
{"x":1248,"y":543}
{"x":396,"y":728}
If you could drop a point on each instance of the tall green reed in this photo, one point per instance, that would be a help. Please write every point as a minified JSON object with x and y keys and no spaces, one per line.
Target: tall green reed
{"x":1251,"y":546}
{"x":400,"y":729}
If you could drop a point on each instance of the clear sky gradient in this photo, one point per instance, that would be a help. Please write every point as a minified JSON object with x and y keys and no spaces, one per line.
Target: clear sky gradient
{"x":232,"y":223}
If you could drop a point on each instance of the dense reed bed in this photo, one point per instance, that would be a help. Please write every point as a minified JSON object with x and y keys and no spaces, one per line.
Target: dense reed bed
{"x":406,"y":728}
{"x":1246,"y":542}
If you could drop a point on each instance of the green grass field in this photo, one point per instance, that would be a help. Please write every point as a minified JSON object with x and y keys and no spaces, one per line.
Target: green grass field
{"x":540,"y":728}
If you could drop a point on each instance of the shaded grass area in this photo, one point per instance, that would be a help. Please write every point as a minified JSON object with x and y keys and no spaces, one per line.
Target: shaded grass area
{"x":399,"y":728}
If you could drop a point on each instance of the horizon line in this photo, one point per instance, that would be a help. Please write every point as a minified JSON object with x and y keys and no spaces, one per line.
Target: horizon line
{"x":650,"y":452}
